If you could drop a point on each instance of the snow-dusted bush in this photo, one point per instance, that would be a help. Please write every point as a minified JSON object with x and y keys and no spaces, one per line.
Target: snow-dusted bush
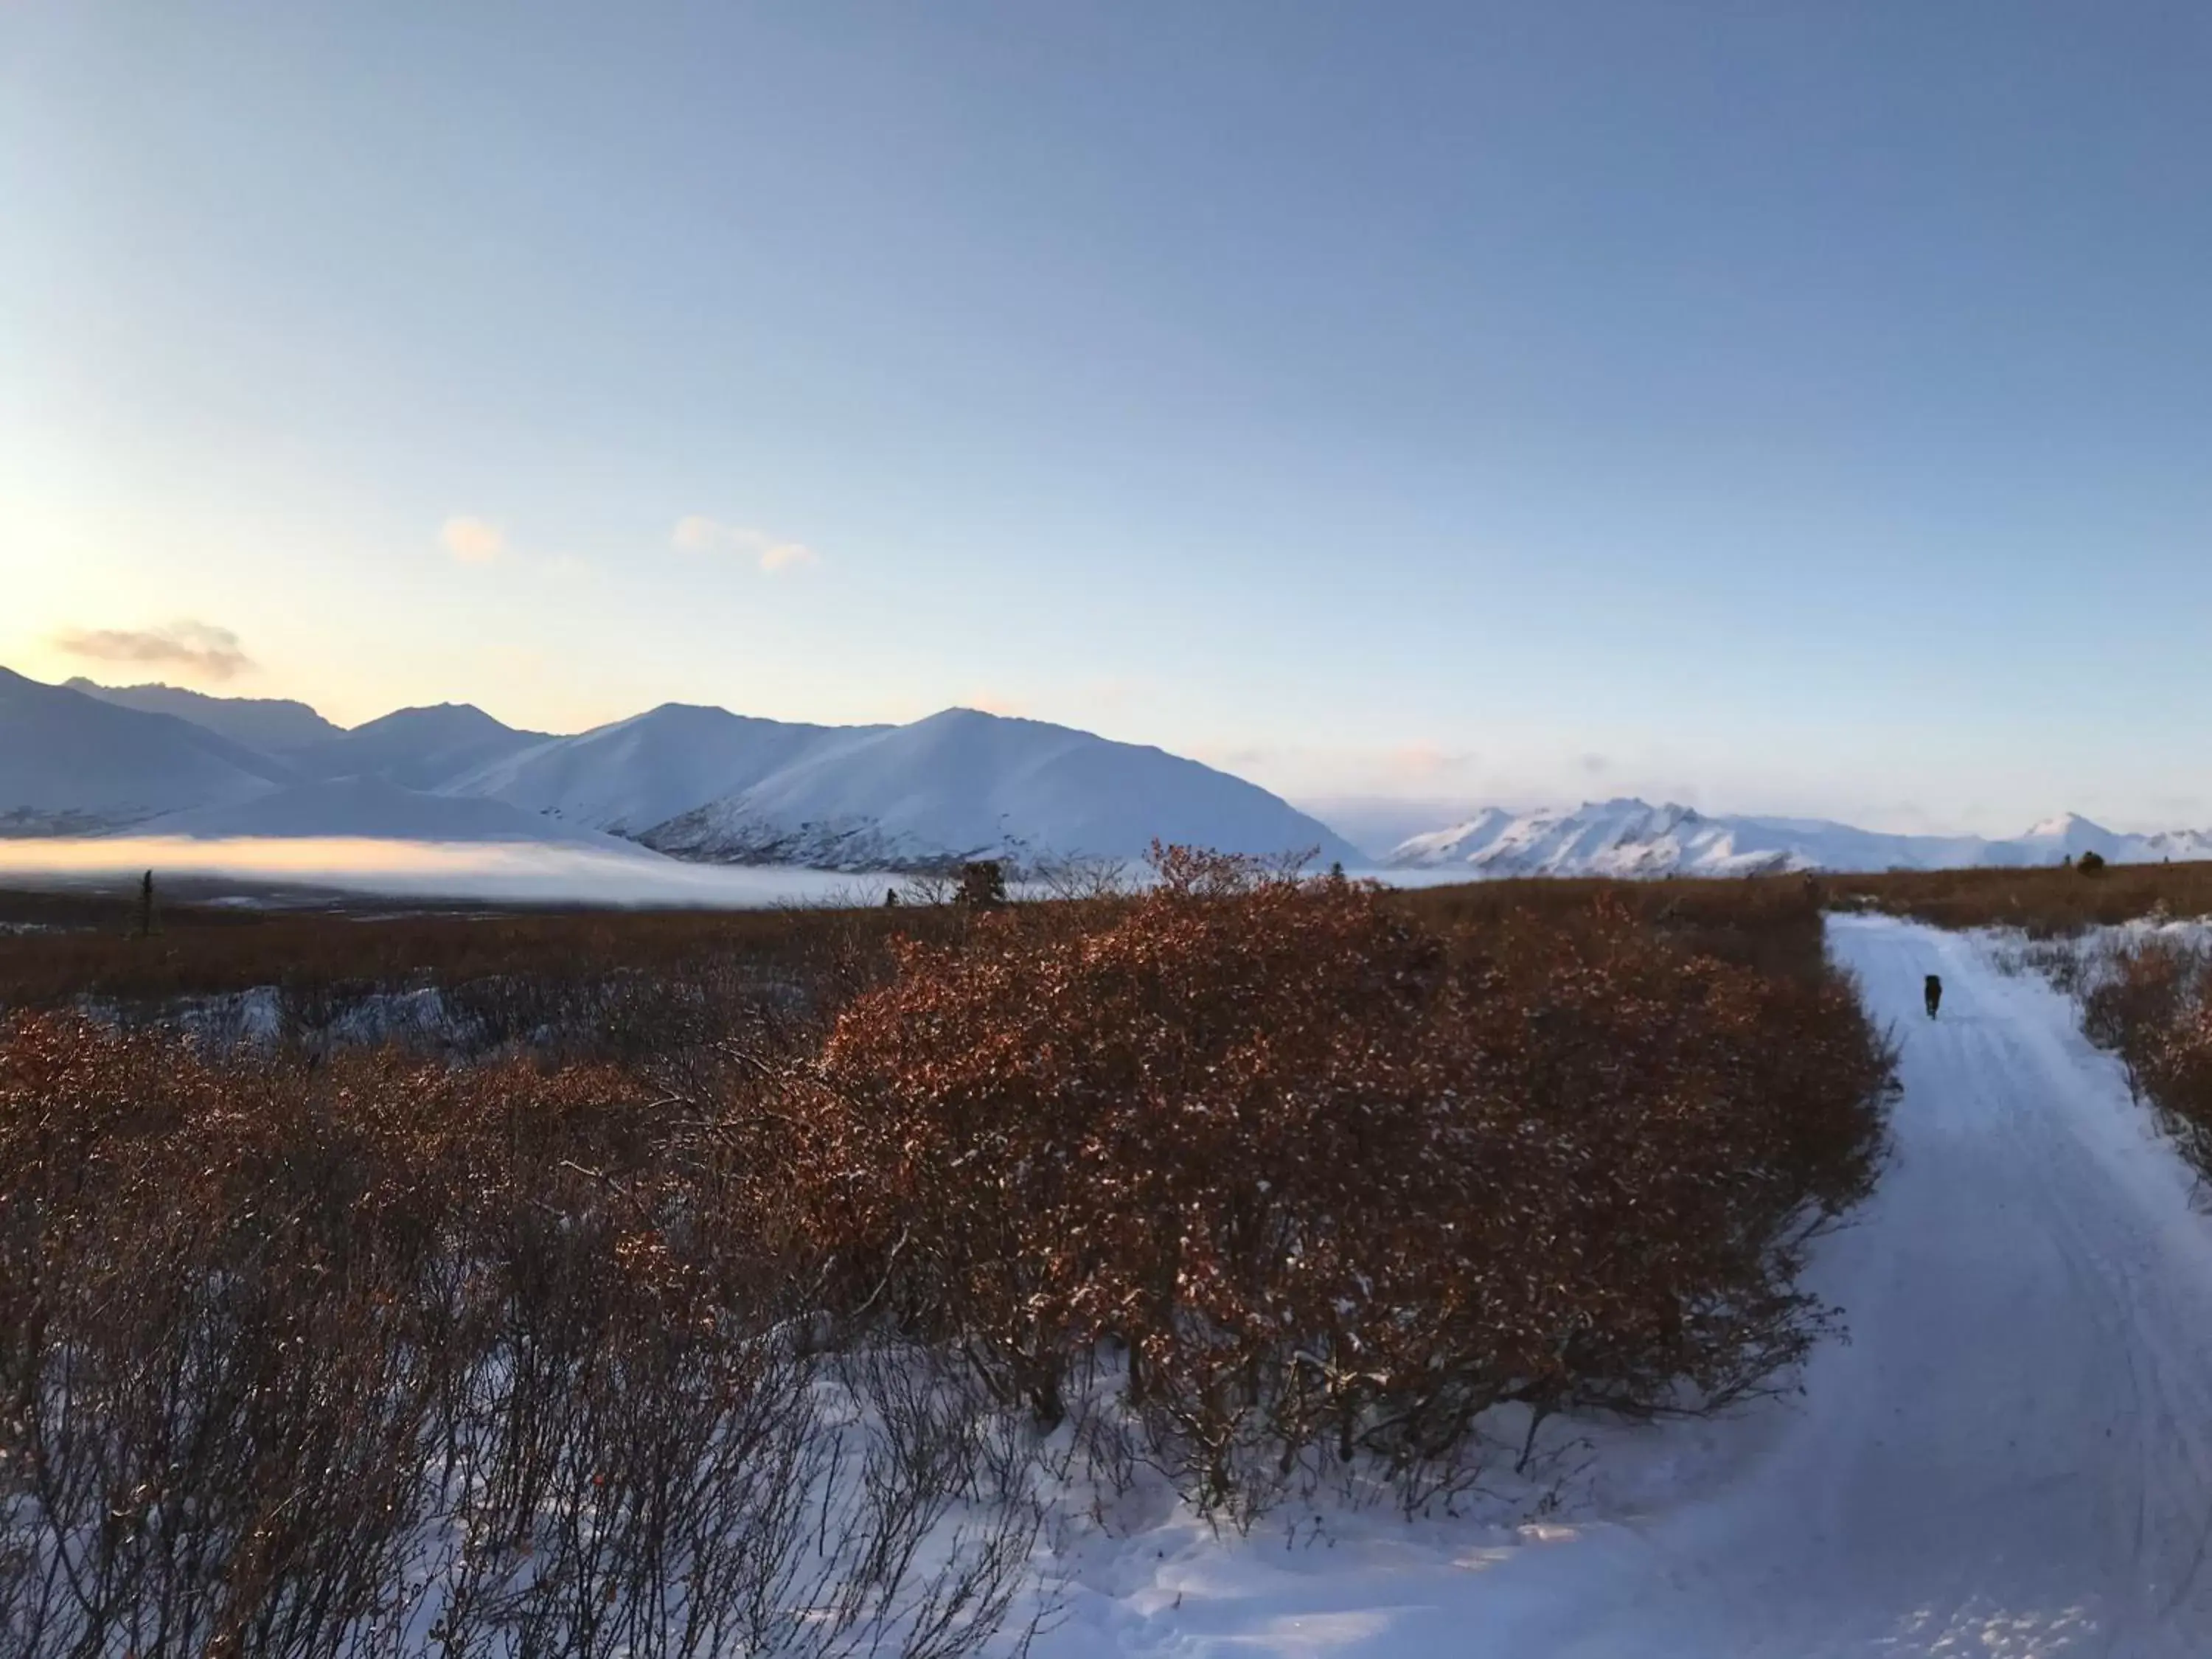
{"x":376,"y":1356}
{"x":1331,"y":1180}
{"x":2151,"y":1003}
{"x":731,"y":1339}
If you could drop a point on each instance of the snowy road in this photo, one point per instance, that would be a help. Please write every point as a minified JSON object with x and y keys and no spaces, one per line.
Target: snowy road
{"x":2012,"y":1456}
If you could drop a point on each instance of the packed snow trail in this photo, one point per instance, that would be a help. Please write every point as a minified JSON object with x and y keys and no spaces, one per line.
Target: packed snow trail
{"x":2011,"y":1457}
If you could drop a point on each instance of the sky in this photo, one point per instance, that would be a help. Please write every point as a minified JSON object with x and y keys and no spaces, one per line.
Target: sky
{"x":1787,"y":407}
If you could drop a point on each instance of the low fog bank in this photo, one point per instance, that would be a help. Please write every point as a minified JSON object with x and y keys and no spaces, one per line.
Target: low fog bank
{"x":498,"y":872}
{"x":517,"y":872}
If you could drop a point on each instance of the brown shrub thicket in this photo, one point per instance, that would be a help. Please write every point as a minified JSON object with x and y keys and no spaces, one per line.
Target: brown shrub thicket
{"x":381,"y":1356}
{"x":566,"y":961}
{"x":2151,"y":1003}
{"x":577,"y":972}
{"x":696,"y":1337}
{"x":561,"y":961}
{"x":1328,"y":1179}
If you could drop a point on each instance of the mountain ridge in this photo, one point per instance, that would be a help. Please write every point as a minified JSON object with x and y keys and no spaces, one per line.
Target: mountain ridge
{"x":418,"y":748}
{"x":1630,"y":837}
{"x":697,"y":782}
{"x":74,"y":764}
{"x":961,"y":784}
{"x":272,"y":725}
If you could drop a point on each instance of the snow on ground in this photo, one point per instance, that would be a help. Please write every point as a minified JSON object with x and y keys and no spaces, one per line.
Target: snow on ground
{"x":2084,"y":959}
{"x":2078,"y":964}
{"x":2011,"y":1457}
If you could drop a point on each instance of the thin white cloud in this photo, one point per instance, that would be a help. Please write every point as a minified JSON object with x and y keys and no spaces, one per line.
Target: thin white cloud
{"x":473,"y":541}
{"x":697,"y":533}
{"x":783,"y":556}
{"x":197,"y":650}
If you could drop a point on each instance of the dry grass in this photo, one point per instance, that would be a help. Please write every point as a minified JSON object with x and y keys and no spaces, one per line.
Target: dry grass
{"x":81,"y":947}
{"x":1772,"y":925}
{"x":86,"y":948}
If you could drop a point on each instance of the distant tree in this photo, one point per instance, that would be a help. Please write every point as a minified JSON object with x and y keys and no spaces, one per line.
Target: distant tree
{"x":2092,"y":863}
{"x":890,"y":898}
{"x":983,"y":884}
{"x":146,"y":906}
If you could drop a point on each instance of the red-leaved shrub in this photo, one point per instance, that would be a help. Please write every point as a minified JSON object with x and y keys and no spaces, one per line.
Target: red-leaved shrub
{"x":1326,"y":1179}
{"x":2152,"y":1006}
{"x":317,"y":1349}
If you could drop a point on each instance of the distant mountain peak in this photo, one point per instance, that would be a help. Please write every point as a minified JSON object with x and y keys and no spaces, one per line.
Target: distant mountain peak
{"x":276,"y":725}
{"x":72,"y":763}
{"x":443,"y":716}
{"x":426,"y":747}
{"x":965,"y":783}
{"x":1626,"y":837}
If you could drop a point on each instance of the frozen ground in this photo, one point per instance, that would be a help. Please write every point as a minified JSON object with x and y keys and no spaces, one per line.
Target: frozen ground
{"x":2080,"y":961}
{"x":2011,"y":1457}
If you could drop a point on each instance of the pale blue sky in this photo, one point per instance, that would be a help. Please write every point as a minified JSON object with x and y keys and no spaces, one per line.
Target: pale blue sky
{"x":1788,"y":408}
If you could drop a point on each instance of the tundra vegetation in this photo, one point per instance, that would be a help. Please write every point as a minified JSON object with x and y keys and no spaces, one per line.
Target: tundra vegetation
{"x":2150,"y":1002}
{"x":692,"y":1285}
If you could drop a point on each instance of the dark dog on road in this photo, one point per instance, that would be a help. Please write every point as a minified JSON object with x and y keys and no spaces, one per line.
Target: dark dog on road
{"x":1935,"y":995}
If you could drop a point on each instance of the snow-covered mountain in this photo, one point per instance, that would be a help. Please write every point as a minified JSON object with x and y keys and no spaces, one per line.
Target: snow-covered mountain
{"x":1630,"y":837}
{"x":72,"y":764}
{"x":693,"y":782}
{"x":704,"y":784}
{"x":418,"y":748}
{"x":276,"y":725}
{"x":965,"y":784}
{"x":2070,"y":834}
{"x":632,"y":776}
{"x":372,"y":808}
